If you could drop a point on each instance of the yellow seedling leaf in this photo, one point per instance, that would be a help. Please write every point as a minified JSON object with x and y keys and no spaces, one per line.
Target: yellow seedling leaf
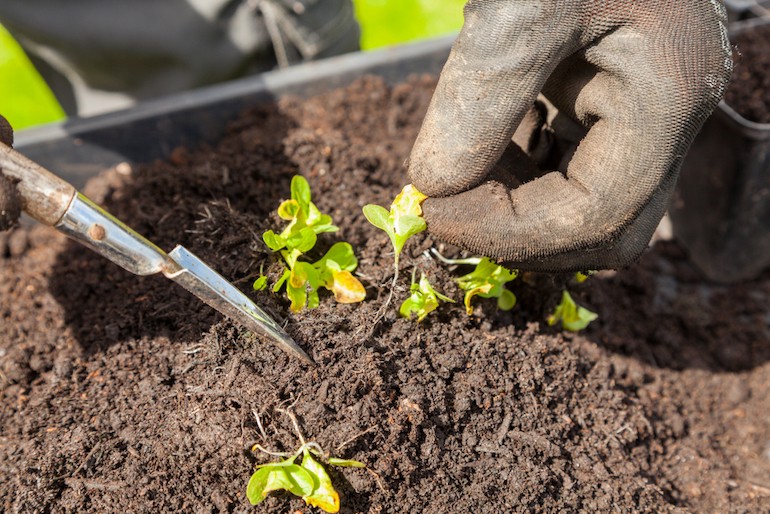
{"x":347,"y":288}
{"x":408,"y":201}
{"x":483,"y":289}
{"x":324,"y":496}
{"x":288,"y":210}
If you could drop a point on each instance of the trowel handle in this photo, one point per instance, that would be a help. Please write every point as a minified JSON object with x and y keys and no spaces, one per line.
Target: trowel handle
{"x":46,"y":196}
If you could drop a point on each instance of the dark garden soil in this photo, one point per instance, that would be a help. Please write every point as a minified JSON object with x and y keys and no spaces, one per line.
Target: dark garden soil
{"x":748,"y":91}
{"x":126,"y":394}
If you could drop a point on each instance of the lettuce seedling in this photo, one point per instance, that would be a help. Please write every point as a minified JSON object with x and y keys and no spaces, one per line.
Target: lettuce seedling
{"x":573,"y":317}
{"x":309,"y":479}
{"x":487,"y":280}
{"x":304,"y":218}
{"x":303,"y":279}
{"x":400,"y":223}
{"x":423,"y":299}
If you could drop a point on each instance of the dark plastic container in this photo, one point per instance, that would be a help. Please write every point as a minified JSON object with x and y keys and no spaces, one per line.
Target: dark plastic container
{"x":721,"y":212}
{"x":81,"y":147}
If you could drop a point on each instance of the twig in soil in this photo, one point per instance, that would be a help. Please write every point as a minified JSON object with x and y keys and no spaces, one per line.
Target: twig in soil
{"x":95,"y":484}
{"x":192,"y":350}
{"x":259,"y":424}
{"x":294,"y":422}
{"x":502,"y":432}
{"x":347,"y":442}
{"x":378,"y":480}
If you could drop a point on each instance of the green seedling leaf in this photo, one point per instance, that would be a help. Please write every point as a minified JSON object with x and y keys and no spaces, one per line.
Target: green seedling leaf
{"x":422,"y":301}
{"x":300,"y":192}
{"x":506,"y":301}
{"x":260,"y":284}
{"x":405,"y":227}
{"x":323,"y":494}
{"x":581,"y":277}
{"x":572,"y":316}
{"x":302,"y":241}
{"x":340,"y":256}
{"x":273,"y":241}
{"x":488,"y":280}
{"x":302,"y":286}
{"x":378,"y":216}
{"x":279,"y":476}
{"x":345,"y":463}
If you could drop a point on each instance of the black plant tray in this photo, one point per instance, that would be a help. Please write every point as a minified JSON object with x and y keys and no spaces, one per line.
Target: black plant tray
{"x":79,"y":148}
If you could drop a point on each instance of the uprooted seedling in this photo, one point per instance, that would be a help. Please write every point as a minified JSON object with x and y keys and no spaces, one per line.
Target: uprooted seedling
{"x":309,"y":479}
{"x":303,"y":279}
{"x":402,"y":221}
{"x":423,"y":299}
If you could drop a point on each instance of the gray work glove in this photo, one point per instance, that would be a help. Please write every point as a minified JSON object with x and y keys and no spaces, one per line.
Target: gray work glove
{"x":642,"y":76}
{"x":10,"y":198}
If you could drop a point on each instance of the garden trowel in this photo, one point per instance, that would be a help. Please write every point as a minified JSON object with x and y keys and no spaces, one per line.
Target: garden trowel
{"x":52,"y":201}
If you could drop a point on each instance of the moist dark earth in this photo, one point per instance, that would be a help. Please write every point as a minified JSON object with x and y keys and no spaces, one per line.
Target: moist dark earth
{"x":126,"y":394}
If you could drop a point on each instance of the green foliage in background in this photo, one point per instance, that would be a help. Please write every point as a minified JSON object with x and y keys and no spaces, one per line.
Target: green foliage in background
{"x":26,"y":101}
{"x":390,"y":22}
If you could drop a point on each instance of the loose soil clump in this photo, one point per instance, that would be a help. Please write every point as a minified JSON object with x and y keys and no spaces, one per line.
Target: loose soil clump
{"x":126,"y":394}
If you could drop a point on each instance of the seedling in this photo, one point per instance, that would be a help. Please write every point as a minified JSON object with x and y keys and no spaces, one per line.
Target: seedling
{"x":303,"y":279}
{"x":400,"y":223}
{"x":423,"y":299}
{"x":487,"y":280}
{"x":308,"y":479}
{"x":573,"y":317}
{"x":260,"y":284}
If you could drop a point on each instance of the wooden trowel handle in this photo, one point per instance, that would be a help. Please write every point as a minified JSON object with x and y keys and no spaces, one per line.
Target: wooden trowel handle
{"x":46,"y":196}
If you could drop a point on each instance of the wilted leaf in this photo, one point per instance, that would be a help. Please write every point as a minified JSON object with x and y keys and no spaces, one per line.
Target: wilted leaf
{"x":323,"y":495}
{"x":347,"y":288}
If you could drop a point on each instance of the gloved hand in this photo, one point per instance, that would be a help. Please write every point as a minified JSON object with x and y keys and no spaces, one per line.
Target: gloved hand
{"x":642,"y":76}
{"x":10,"y":198}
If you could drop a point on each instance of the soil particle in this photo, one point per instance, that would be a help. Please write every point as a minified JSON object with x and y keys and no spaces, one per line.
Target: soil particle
{"x":126,"y":394}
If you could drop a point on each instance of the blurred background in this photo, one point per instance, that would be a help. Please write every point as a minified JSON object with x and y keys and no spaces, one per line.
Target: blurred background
{"x":26,"y":100}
